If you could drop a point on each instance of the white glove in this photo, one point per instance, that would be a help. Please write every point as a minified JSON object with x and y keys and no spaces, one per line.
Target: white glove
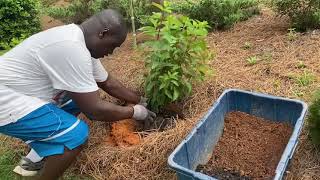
{"x":143,"y":101}
{"x":141,"y":113}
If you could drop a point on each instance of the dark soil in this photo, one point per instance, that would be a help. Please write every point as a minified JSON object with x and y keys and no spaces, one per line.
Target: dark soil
{"x":250,"y":148}
{"x":165,"y":119}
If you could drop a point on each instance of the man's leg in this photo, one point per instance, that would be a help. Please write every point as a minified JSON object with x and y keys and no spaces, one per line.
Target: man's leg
{"x":32,"y":163}
{"x":34,"y":156}
{"x":56,"y":165}
{"x":63,"y":161}
{"x":52,"y":133}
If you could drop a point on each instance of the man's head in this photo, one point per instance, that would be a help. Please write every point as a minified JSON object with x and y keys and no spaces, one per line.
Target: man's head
{"x":104,"y":32}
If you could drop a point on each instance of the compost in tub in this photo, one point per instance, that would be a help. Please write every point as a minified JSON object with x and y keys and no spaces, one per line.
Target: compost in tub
{"x":244,"y":135}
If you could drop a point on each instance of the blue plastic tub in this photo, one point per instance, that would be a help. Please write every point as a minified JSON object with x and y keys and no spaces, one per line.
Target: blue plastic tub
{"x":198,"y":146}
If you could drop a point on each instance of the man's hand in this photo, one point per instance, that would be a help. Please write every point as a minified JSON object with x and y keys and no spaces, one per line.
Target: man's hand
{"x":140,"y":113}
{"x":143,"y":101}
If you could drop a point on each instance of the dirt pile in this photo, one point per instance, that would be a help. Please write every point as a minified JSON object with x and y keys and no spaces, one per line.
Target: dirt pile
{"x":123,"y":133}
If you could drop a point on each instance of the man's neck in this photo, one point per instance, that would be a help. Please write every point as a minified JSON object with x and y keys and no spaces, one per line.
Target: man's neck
{"x":85,"y":35}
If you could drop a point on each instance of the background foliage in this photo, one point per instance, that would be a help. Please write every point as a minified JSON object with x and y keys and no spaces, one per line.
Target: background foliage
{"x":79,"y":10}
{"x":220,"y":14}
{"x":19,"y":19}
{"x":304,"y":14}
{"x":314,"y":119}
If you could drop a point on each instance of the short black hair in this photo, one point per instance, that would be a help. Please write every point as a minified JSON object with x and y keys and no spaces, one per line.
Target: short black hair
{"x":112,"y":19}
{"x":109,"y":19}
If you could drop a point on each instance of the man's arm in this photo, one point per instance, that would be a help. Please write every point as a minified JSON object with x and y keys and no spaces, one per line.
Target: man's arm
{"x":100,"y":110}
{"x":90,"y":103}
{"x":116,"y":89}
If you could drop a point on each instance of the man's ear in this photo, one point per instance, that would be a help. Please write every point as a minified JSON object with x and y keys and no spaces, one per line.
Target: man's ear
{"x":104,"y":32}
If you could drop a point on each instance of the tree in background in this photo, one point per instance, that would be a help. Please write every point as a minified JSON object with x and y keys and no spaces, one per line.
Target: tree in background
{"x":19,"y":19}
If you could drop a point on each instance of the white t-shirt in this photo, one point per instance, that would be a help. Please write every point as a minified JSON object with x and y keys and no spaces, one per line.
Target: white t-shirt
{"x":38,"y":70}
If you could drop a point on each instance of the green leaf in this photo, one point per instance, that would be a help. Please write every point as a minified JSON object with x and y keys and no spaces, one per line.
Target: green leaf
{"x":150,"y":86}
{"x":158,"y":6}
{"x":175,"y":83}
{"x":175,"y":94}
{"x":163,"y":85}
{"x":189,"y":87}
{"x":149,"y":30}
{"x":168,"y":94}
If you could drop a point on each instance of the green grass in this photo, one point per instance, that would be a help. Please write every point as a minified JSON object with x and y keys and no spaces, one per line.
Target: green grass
{"x":6,"y":165}
{"x":2,"y":52}
{"x":305,"y":79}
{"x":9,"y":157}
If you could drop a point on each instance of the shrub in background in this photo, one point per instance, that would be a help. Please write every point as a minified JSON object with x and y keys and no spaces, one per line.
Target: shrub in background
{"x":76,"y":12}
{"x":314,"y":119}
{"x":18,"y":20}
{"x":47,"y":3}
{"x":176,"y":57}
{"x":304,"y":14}
{"x":220,"y":14}
{"x":79,"y":10}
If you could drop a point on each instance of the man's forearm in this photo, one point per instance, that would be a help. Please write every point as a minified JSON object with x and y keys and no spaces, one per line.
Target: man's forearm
{"x":90,"y":103}
{"x":111,"y":112}
{"x":116,"y":89}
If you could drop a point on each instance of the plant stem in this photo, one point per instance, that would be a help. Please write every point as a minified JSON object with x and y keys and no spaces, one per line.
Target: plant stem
{"x":159,"y":27}
{"x":133,"y":25}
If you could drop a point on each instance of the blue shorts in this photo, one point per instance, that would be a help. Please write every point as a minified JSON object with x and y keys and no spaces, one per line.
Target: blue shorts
{"x":49,"y":129}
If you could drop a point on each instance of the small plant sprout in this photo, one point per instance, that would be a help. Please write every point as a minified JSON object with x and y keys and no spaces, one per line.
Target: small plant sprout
{"x":276,"y":83}
{"x":267,"y":56}
{"x":252,"y":60}
{"x":247,"y":45}
{"x":305,"y":79}
{"x":298,"y":93}
{"x":301,"y":65}
{"x":292,"y":34}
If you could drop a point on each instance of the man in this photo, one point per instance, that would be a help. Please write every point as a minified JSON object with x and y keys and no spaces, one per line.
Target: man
{"x":39,"y":76}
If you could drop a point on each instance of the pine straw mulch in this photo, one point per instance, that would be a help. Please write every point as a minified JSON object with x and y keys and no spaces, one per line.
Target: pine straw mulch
{"x":275,"y":73}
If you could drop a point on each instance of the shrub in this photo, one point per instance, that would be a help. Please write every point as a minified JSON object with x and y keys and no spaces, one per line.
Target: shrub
{"x":304,"y":14}
{"x":220,"y":14}
{"x":47,"y":3}
{"x":79,"y":10}
{"x":76,"y":12}
{"x":176,"y":57}
{"x":19,"y":19}
{"x":314,"y":119}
